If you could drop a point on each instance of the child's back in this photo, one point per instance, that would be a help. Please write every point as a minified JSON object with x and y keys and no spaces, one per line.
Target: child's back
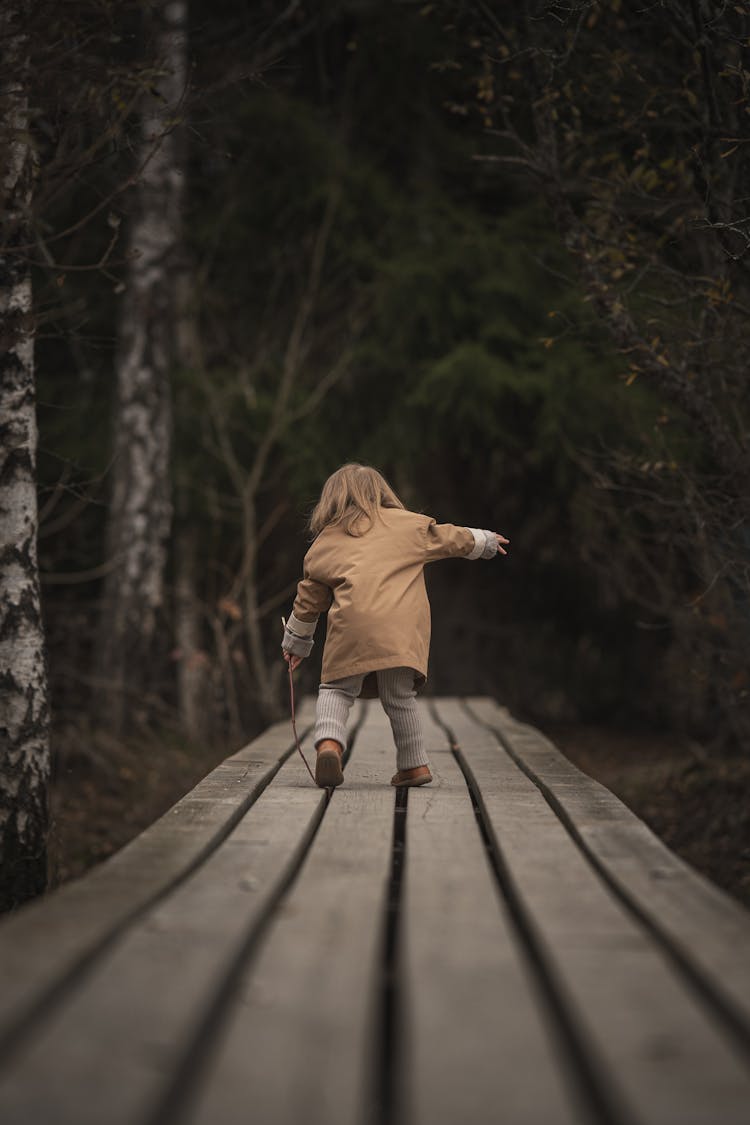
{"x":374,"y":590}
{"x":366,"y":568}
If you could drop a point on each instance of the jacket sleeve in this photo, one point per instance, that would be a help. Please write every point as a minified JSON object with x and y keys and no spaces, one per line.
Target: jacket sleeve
{"x":449,"y":541}
{"x":313,"y":598}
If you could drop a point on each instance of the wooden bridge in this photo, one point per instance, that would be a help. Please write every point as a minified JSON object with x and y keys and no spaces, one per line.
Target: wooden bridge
{"x":509,"y":944}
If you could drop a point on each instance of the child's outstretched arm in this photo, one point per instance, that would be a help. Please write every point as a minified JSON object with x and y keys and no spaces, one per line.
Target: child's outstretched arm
{"x":313,"y":598}
{"x":449,"y":541}
{"x":487,"y":544}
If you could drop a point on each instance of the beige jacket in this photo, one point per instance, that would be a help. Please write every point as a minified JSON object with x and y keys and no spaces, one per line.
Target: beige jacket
{"x":373,"y":588}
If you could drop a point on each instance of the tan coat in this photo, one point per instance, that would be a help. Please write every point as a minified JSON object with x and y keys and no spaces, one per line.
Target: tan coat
{"x":373,"y":589}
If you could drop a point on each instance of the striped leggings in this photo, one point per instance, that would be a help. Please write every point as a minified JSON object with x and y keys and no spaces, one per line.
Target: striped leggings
{"x":397,"y":694}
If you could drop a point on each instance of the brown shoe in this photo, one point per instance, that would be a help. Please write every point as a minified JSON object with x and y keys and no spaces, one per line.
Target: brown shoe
{"x":328,"y":771}
{"x":407,"y":778}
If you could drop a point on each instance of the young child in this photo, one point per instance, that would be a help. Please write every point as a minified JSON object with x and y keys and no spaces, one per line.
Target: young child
{"x":365,"y":567}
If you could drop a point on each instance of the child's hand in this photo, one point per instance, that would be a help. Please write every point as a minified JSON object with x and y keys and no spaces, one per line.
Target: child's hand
{"x":292,"y":660}
{"x":501,"y":539}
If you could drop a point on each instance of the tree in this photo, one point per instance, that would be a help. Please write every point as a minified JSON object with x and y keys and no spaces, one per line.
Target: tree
{"x":630,"y":126}
{"x":278,"y":329}
{"x":24,"y":711}
{"x":141,"y":506}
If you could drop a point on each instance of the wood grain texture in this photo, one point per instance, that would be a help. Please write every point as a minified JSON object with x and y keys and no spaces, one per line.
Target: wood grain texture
{"x":707,"y":928}
{"x":300,"y":1043}
{"x":478,"y":1042}
{"x":110,"y":1052}
{"x":665,"y":1061}
{"x":241,"y":967}
{"x":47,"y":939}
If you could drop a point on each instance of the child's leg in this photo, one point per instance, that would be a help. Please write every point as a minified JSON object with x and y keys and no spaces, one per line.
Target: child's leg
{"x":397,"y":694}
{"x":335,"y":701}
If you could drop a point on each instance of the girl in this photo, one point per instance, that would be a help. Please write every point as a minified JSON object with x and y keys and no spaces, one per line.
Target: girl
{"x":365,"y":567}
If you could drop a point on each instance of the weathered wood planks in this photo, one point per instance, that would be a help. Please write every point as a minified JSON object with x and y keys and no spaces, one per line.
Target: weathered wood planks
{"x":706,"y":930}
{"x":655,"y":1053}
{"x":301,"y":1041}
{"x":135,"y":1013}
{"x":138,"y":1012}
{"x":478,"y":1044}
{"x":46,"y":941}
{"x":499,"y":945}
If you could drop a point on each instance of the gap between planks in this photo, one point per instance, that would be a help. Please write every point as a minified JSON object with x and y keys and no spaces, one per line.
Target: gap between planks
{"x":703,"y":930}
{"x":107,"y":1052}
{"x":303,"y":1039}
{"x":480,"y":1040}
{"x":664,"y":1059}
{"x":89,"y":913}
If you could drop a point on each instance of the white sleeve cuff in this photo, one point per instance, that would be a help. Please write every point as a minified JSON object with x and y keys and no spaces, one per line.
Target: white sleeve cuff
{"x":301,"y":628}
{"x":479,"y":543}
{"x":490,"y":547}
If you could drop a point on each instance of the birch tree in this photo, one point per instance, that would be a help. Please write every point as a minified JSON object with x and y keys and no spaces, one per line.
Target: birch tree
{"x":141,"y":510}
{"x":24,"y":703}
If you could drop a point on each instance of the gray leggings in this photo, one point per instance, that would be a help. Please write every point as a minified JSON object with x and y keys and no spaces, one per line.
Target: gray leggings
{"x":397,"y":694}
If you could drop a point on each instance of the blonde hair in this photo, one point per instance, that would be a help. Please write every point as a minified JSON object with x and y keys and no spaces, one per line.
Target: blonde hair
{"x":351,"y":495}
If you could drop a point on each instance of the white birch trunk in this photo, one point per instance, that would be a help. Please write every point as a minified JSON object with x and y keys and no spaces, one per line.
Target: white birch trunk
{"x":24,"y":700}
{"x":141,"y":509}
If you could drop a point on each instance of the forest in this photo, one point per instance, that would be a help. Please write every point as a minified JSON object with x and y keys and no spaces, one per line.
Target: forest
{"x":500,"y":252}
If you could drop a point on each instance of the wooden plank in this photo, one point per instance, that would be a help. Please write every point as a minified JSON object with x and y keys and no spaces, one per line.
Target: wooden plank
{"x":111,"y":1052}
{"x":665,"y":1061}
{"x":707,"y":930}
{"x":46,"y":940}
{"x":301,"y":1038}
{"x":479,"y":1046}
